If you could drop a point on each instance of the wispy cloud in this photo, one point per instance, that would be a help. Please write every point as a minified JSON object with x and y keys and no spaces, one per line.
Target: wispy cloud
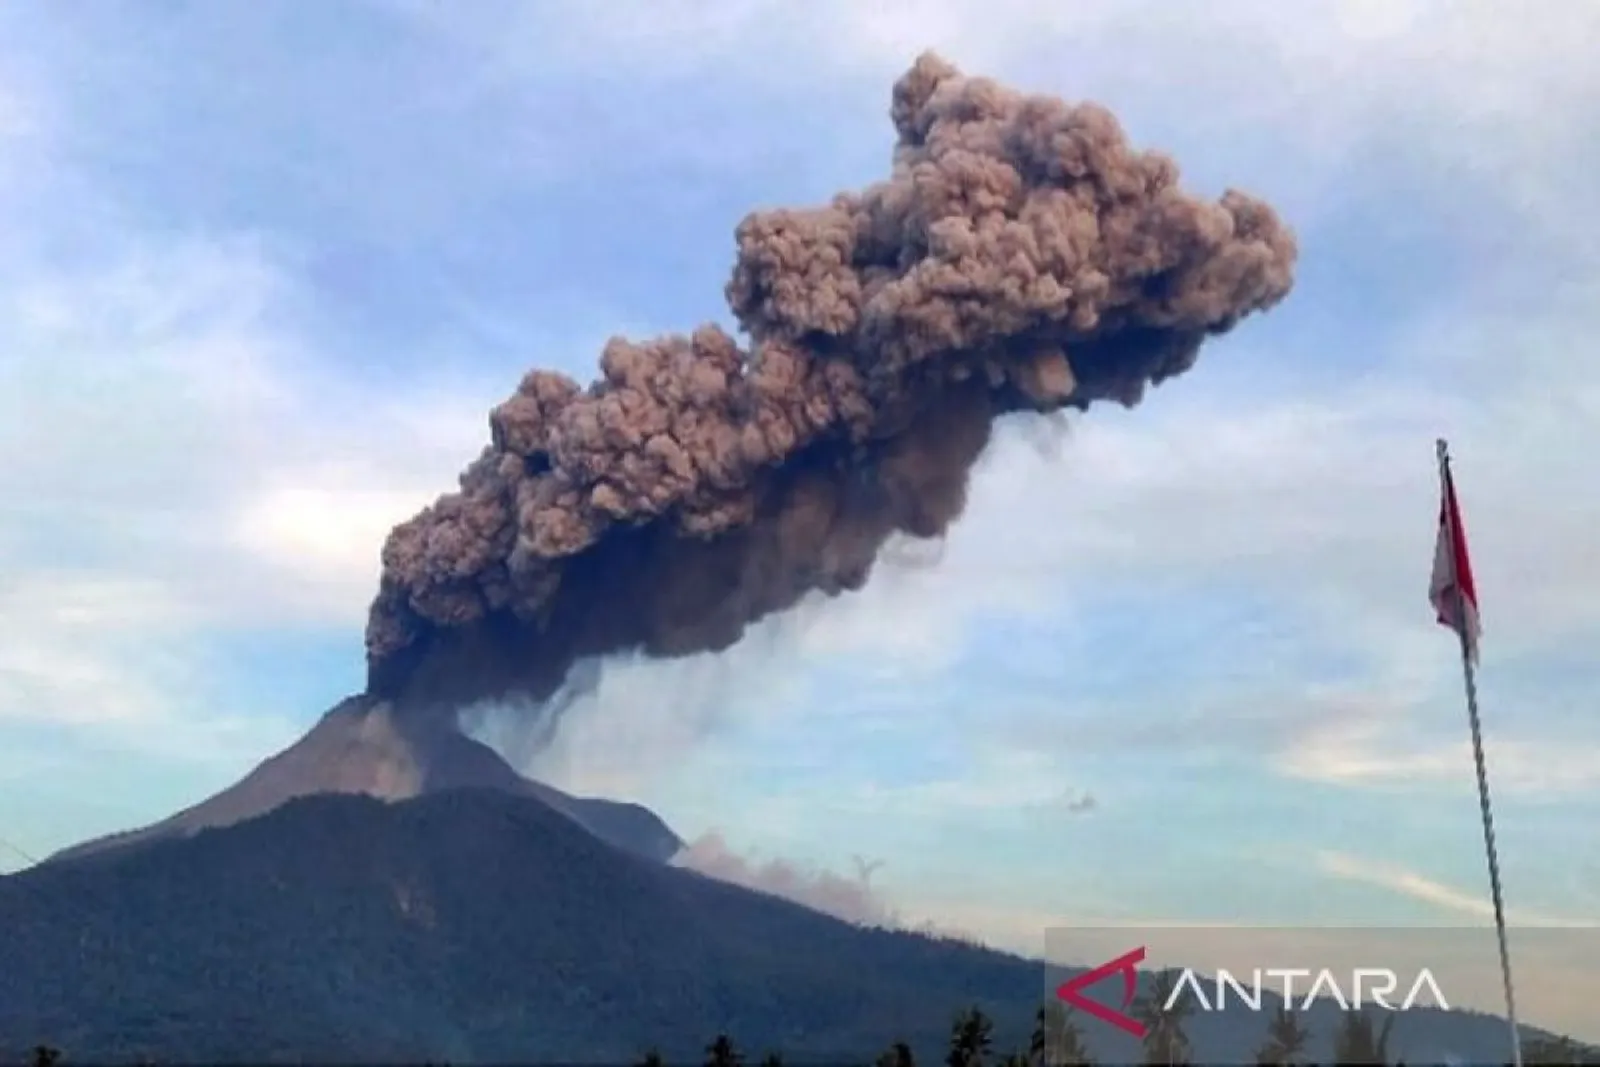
{"x":1526,"y":768}
{"x":1444,"y":897}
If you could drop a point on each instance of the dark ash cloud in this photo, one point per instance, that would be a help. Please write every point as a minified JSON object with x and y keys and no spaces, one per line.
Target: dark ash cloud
{"x":1019,"y":256}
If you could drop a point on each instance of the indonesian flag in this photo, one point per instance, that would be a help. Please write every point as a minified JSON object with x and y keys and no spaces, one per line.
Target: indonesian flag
{"x":1452,"y":572}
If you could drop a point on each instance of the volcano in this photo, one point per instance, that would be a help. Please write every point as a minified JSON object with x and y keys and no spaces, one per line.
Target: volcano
{"x":482,"y":925}
{"x":361,"y":746}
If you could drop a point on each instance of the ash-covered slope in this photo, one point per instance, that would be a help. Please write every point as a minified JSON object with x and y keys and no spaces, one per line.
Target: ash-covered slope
{"x":361,"y":747}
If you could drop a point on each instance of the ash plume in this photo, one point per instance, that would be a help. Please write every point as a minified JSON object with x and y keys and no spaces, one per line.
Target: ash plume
{"x":1021,"y":256}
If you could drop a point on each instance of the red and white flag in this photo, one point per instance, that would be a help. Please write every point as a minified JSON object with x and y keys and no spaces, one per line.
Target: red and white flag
{"x":1452,"y":572}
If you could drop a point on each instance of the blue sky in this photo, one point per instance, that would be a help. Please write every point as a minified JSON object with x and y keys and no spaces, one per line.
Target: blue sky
{"x":267,"y":267}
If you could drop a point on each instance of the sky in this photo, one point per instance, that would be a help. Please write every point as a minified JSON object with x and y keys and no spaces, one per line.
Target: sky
{"x":266,"y":268}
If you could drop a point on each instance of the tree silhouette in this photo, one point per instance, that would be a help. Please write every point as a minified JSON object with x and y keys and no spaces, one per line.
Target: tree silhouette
{"x":1358,"y":1043}
{"x":772,"y":1059}
{"x":897,"y":1055}
{"x":1287,"y":1039}
{"x":721,"y":1053}
{"x":652,"y":1059}
{"x":45,"y":1056}
{"x":1558,"y":1052}
{"x":1164,"y":1039}
{"x":969,"y":1039}
{"x":1057,"y":1038}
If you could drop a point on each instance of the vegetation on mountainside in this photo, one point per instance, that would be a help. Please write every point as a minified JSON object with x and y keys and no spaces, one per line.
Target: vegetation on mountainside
{"x":487,"y":927}
{"x":1058,"y":1041}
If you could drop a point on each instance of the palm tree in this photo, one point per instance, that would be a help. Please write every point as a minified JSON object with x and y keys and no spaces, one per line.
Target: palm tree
{"x":897,"y":1055}
{"x":969,"y":1039}
{"x":1057,"y":1038}
{"x":1287,"y":1039}
{"x":721,"y":1053}
{"x":1358,"y":1044}
{"x":1164,"y":1039}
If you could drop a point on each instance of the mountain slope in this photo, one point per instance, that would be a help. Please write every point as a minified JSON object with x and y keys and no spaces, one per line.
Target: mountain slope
{"x":468,"y":924}
{"x":361,"y":747}
{"x":481,"y":925}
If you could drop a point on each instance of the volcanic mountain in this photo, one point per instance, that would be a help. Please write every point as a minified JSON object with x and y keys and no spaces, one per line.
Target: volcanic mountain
{"x":361,"y":746}
{"x":482,"y":925}
{"x":461,"y":924}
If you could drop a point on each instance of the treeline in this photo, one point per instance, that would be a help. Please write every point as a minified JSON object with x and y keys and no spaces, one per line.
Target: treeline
{"x":1058,"y":1041}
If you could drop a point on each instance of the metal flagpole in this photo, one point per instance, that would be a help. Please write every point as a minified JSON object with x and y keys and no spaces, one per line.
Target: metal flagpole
{"x":1469,"y":677}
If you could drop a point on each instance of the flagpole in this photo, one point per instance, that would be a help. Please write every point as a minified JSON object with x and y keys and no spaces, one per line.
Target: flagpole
{"x":1469,"y":678}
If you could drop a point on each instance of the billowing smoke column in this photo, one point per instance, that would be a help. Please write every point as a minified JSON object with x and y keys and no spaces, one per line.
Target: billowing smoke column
{"x":1021,"y":256}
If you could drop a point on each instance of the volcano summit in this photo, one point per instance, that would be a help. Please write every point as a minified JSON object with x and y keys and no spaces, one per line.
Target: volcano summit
{"x":360,"y":747}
